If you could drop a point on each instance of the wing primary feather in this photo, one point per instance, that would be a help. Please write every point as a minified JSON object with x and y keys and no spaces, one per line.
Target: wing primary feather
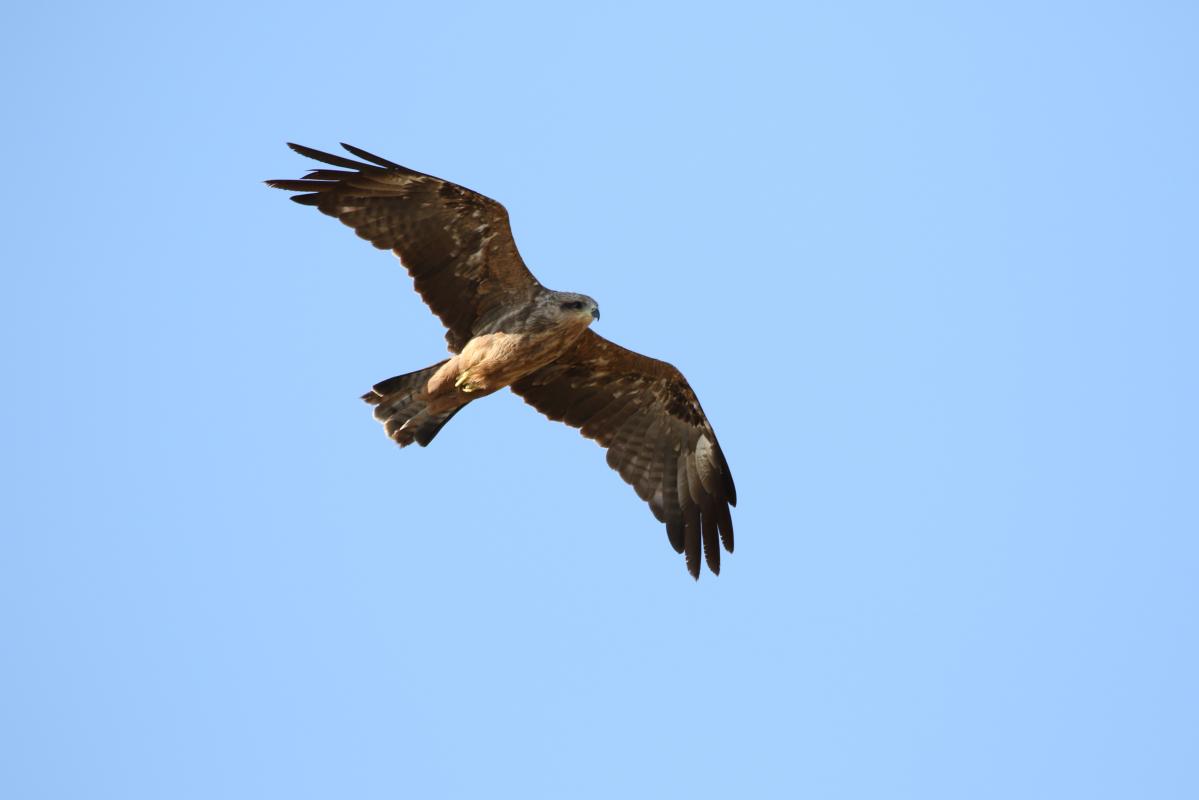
{"x":670,"y":495}
{"x":326,"y":158}
{"x":307,"y":199}
{"x":374,"y":159}
{"x":711,"y":538}
{"x":674,"y":531}
{"x":691,"y":544}
{"x":693,"y":485}
{"x":724,"y":521}
{"x":729,"y":487}
{"x":302,"y":185}
{"x":331,"y":174}
{"x":691,"y":532}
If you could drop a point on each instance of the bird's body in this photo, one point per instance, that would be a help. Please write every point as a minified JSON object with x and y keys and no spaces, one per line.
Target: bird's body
{"x":496,"y":357}
{"x":504,"y":329}
{"x":505,"y":351}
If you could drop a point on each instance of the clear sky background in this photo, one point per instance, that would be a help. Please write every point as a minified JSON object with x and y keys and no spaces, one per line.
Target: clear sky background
{"x":931,"y":268}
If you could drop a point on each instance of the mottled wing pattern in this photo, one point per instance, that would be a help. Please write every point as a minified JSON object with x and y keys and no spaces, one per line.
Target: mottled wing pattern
{"x":658,"y":439}
{"x":456,"y":244}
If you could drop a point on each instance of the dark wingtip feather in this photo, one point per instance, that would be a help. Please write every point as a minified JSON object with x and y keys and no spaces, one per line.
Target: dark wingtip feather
{"x":301,"y":185}
{"x":674,"y":531}
{"x":711,"y":541}
{"x":691,"y":540}
{"x":326,"y":158}
{"x":330,"y":175}
{"x":371,"y":157}
{"x":730,"y":488}
{"x":724,"y":521}
{"x":307,"y":199}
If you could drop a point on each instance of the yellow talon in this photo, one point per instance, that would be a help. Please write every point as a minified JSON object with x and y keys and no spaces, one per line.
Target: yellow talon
{"x":463,"y":382}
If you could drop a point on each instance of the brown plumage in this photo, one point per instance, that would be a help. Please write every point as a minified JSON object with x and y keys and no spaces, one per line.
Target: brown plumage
{"x":506,"y":329}
{"x":657,"y":436}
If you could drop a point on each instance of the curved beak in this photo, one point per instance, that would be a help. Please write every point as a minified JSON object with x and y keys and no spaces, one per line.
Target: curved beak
{"x":595,"y":313}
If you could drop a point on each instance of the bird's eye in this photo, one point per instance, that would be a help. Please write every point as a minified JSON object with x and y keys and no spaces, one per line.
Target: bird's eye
{"x":575,"y":305}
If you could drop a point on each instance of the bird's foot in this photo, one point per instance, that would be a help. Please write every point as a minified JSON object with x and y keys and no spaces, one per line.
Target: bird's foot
{"x":465,"y":382}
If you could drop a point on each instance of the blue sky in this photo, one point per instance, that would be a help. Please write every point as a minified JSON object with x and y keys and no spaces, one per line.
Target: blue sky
{"x":930,"y":268}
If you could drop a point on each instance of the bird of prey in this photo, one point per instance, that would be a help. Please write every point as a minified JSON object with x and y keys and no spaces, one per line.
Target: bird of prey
{"x":505,"y":329}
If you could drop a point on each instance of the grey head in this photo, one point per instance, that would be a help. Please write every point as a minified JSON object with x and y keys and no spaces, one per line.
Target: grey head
{"x":555,"y":307}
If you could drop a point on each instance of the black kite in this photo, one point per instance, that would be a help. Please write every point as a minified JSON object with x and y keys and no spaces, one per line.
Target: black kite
{"x":506,"y":329}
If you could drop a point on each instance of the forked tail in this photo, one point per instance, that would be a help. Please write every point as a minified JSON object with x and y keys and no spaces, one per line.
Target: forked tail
{"x":401,"y":404}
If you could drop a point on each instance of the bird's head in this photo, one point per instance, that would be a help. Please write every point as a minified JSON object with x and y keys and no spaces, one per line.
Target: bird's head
{"x":568,"y":305}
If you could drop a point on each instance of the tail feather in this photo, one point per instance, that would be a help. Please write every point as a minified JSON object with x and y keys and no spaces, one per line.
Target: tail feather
{"x":401,"y":383}
{"x":401,"y":405}
{"x":429,"y":425}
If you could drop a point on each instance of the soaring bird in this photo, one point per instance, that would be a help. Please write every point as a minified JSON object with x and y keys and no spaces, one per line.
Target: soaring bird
{"x":505,"y":329}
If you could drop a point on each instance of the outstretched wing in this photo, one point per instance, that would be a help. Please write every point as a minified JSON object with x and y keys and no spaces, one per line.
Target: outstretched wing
{"x":456,"y":244}
{"x":658,"y":439}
